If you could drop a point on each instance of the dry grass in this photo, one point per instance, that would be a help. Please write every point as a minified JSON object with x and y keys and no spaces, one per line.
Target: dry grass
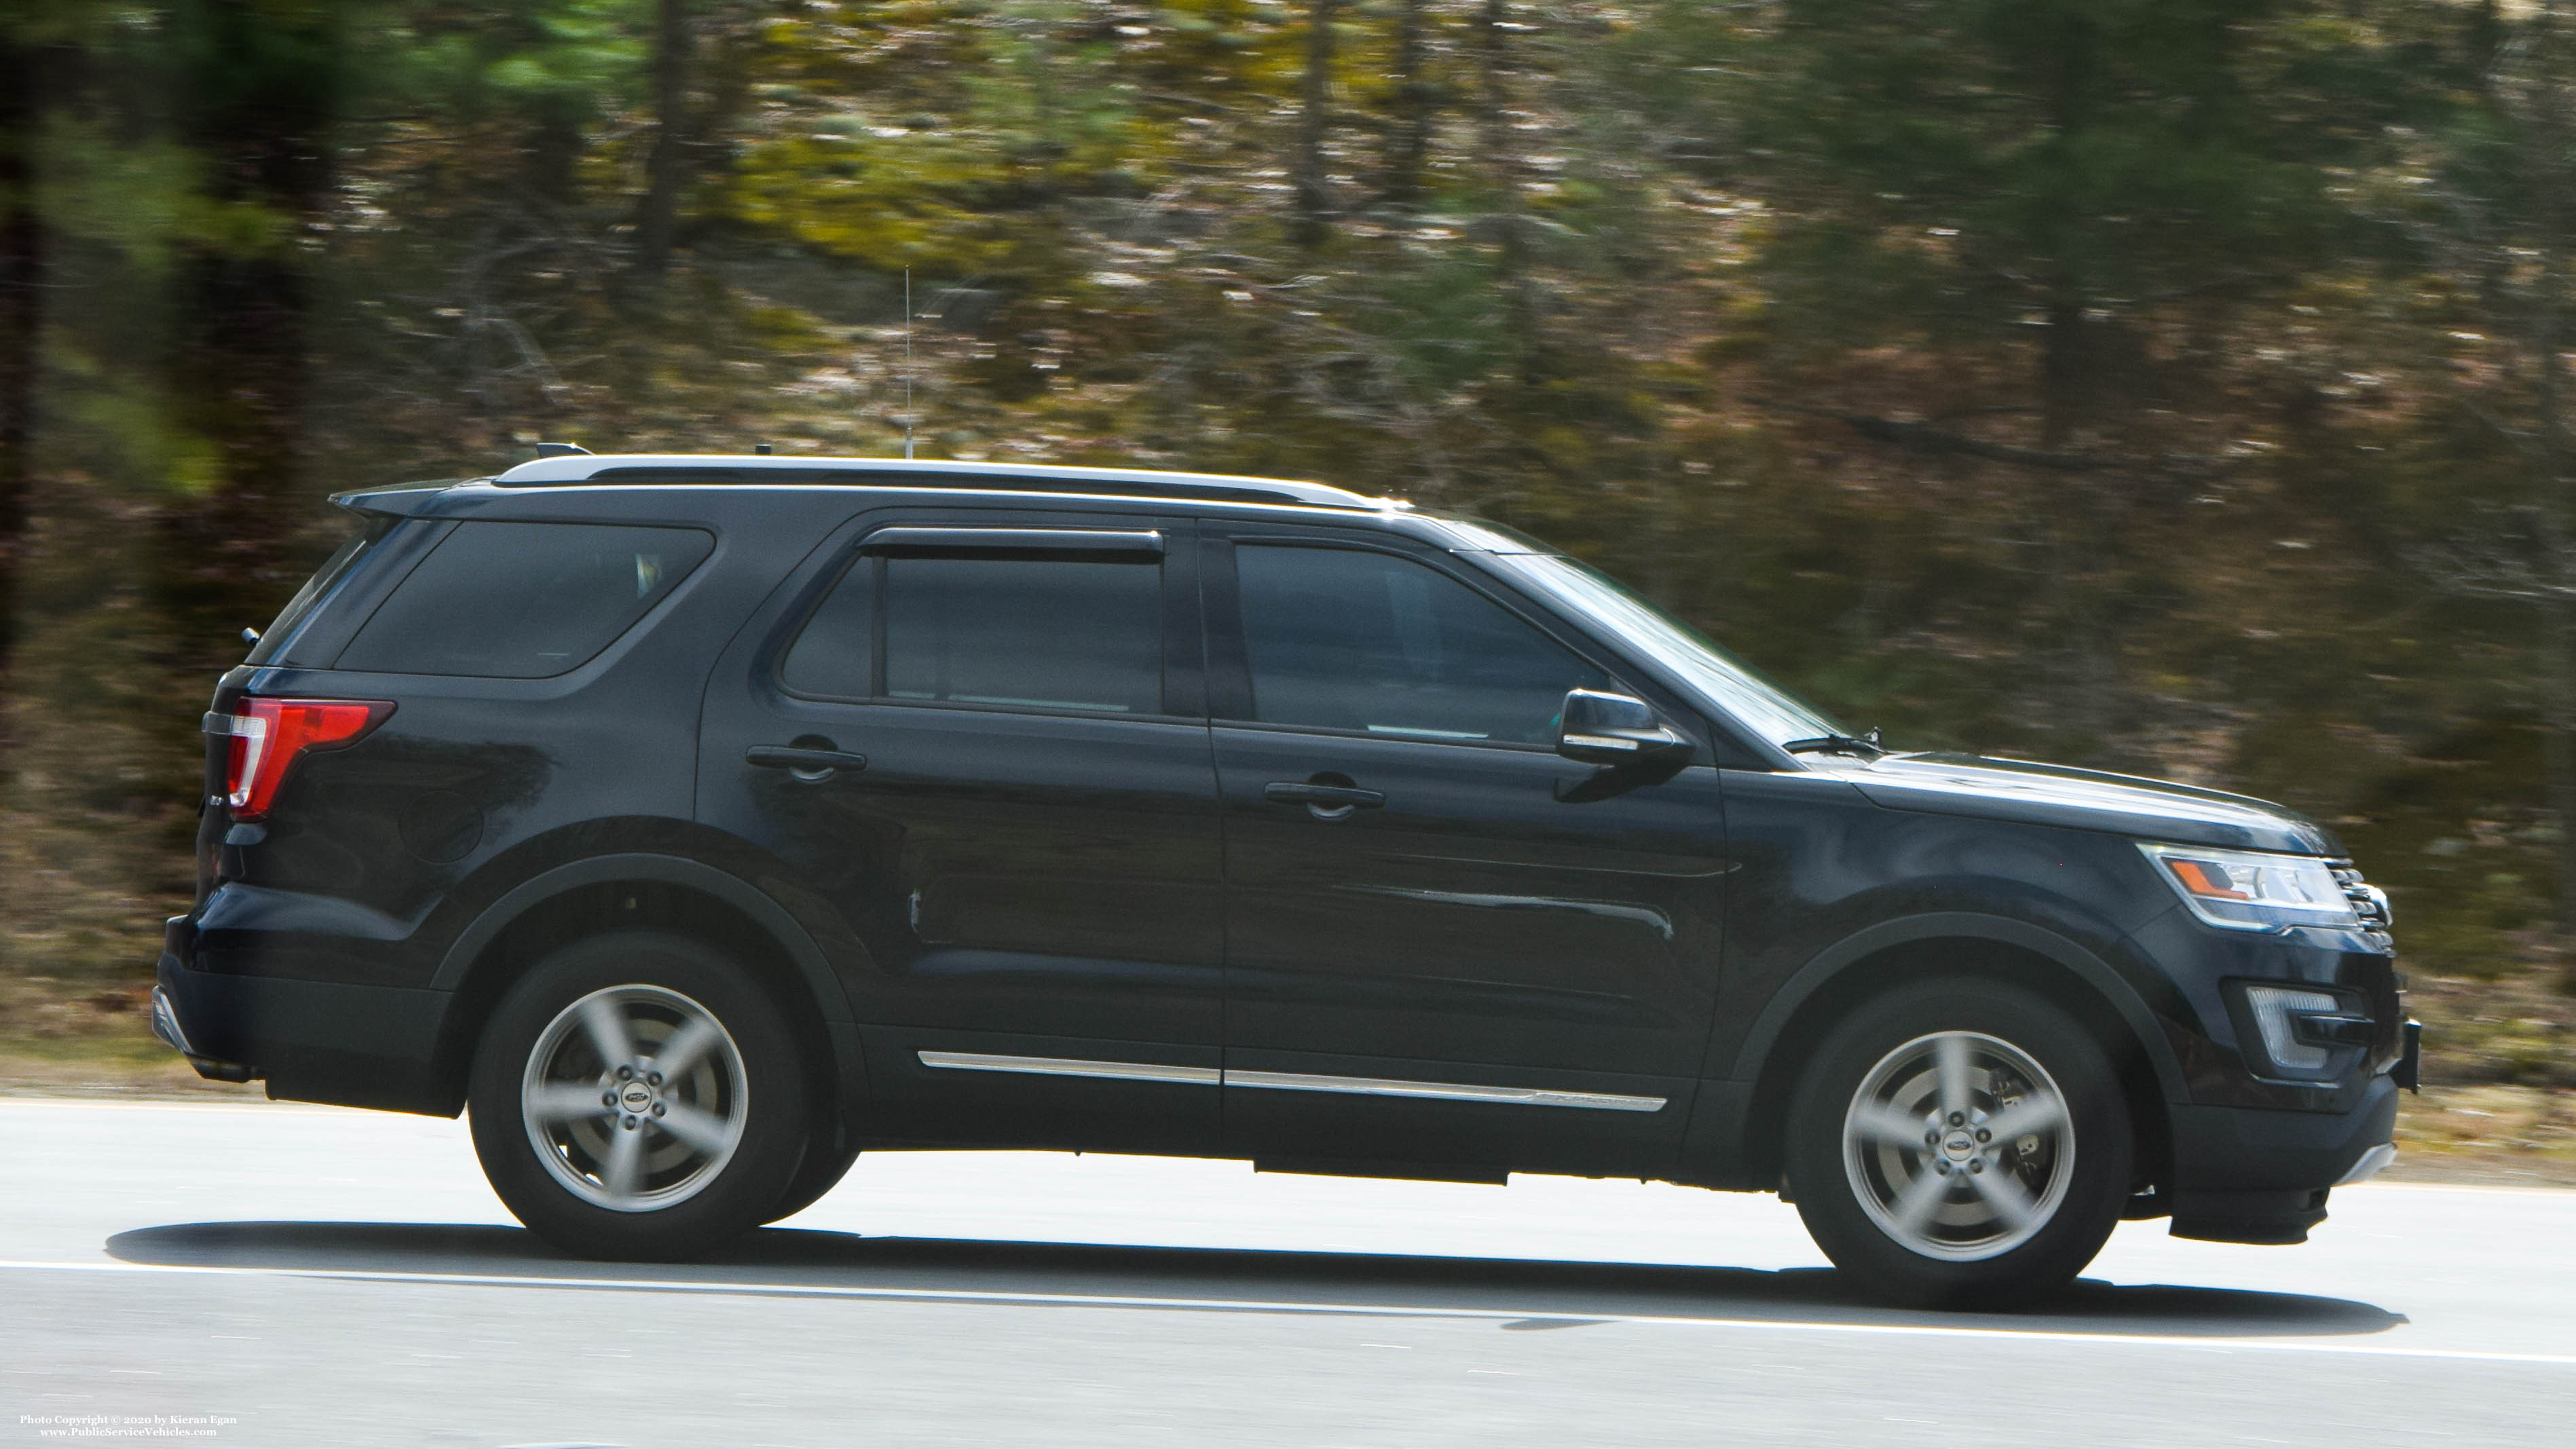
{"x":2495,"y":1133}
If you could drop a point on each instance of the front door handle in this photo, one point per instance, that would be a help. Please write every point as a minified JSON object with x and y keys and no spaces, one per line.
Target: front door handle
{"x":1328,"y":802}
{"x":810,"y":765}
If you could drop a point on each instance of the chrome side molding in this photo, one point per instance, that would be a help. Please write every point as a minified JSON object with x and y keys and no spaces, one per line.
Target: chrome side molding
{"x":1288,"y":1081}
{"x":1442,"y":1091}
{"x":1072,"y":1067}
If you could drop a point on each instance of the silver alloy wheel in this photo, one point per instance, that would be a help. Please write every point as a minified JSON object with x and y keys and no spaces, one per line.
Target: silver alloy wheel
{"x":1959,"y":1146}
{"x":635,"y":1098}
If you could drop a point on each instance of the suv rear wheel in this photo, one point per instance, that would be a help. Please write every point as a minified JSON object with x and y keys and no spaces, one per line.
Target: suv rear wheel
{"x":637,"y":1095}
{"x":1959,"y":1144}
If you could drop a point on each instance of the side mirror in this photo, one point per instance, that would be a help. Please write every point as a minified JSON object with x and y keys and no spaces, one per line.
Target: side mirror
{"x":1599,"y":728}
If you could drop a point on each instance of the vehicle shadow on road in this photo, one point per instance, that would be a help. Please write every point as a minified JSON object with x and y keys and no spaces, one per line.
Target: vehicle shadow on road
{"x":1523,"y":1293}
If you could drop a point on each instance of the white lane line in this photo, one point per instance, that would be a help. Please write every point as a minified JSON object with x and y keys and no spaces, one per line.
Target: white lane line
{"x":1254,"y":1305}
{"x":257,"y":1106}
{"x":2497,"y":1189}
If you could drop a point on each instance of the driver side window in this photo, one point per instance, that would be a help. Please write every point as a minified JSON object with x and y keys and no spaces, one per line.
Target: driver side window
{"x":1347,"y":639}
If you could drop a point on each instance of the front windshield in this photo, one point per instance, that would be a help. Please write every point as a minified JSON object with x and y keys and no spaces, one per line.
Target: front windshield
{"x":1726,"y":681}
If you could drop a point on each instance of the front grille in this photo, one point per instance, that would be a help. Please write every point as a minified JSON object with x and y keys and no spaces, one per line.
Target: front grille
{"x":2368,"y":901}
{"x":2374,"y":976}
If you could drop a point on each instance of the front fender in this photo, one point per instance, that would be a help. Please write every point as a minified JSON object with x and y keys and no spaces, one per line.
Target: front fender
{"x":1723,"y":1146}
{"x":2079,"y":960}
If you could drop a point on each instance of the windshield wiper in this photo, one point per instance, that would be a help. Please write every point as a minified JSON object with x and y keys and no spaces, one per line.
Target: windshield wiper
{"x":1839,"y":745}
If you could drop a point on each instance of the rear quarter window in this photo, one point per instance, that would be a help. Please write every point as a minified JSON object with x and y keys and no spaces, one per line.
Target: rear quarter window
{"x":342,"y":562}
{"x":523,"y":600}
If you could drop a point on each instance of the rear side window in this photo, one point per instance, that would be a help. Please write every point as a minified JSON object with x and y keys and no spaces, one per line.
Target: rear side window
{"x":523,"y":600}
{"x":1007,"y":633}
{"x":326,"y":578}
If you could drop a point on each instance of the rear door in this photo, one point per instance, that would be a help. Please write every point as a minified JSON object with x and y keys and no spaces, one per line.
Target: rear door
{"x":979,"y":737}
{"x":1446,"y":944}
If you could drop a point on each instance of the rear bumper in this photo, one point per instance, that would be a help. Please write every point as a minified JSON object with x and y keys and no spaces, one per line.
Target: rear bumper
{"x":165,"y":1025}
{"x":314,"y":1041}
{"x":2251,"y":1175}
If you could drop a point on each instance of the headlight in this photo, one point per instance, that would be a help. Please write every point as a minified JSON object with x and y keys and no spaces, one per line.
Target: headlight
{"x":2247,"y":890}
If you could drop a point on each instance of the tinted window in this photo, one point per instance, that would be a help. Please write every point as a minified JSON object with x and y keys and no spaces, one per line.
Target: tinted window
{"x":1342,"y":639}
{"x":1734,"y":685}
{"x":338,"y":566}
{"x":1032,"y":633}
{"x":523,"y":600}
{"x":833,"y":655}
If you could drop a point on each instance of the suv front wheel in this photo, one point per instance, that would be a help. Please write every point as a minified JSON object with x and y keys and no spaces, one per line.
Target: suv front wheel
{"x":637,"y":1095}
{"x":1959,"y":1144}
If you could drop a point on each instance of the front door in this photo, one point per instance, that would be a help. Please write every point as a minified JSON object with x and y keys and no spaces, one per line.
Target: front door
{"x":1447,"y":945}
{"x":978,"y":738}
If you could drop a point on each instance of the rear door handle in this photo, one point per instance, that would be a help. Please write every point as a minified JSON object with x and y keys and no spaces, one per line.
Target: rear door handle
{"x":804,"y":764}
{"x":1330,"y":801}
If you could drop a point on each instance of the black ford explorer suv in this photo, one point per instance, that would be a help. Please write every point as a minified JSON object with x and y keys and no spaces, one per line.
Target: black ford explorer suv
{"x":702,"y":822}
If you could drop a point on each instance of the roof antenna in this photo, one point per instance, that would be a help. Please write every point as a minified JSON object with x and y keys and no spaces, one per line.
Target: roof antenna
{"x":907,"y":364}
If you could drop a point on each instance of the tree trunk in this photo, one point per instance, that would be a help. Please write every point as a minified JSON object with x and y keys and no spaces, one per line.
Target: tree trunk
{"x":657,"y":221}
{"x":2065,"y":381}
{"x":2558,"y":673}
{"x":1314,"y":195}
{"x":2063,"y":372}
{"x":1502,"y":166}
{"x":263,"y":97}
{"x":2547,"y":176}
{"x":21,"y":268}
{"x":554,"y":151}
{"x":2486,"y":41}
{"x":2084,"y":534}
{"x":1416,"y":104}
{"x":2557,"y":640}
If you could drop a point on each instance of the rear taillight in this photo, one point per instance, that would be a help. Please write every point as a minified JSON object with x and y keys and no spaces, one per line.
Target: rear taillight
{"x":268,"y":734}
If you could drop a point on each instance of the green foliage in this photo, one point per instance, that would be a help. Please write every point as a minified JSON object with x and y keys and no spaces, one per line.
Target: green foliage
{"x":2101,"y":379}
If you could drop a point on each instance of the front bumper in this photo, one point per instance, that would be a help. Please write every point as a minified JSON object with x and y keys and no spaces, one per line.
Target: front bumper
{"x":2256,"y":1175}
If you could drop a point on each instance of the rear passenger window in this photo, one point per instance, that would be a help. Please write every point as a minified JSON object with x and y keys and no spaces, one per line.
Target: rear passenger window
{"x":523,"y":600}
{"x":1001,"y":632}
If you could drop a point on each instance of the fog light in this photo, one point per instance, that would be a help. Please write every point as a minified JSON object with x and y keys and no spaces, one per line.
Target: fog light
{"x":2274,"y":1008}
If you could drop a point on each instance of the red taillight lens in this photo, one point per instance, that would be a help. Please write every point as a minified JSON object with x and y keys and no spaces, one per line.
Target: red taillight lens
{"x":268,"y":735}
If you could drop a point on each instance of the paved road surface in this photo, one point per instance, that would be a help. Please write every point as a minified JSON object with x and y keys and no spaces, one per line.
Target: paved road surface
{"x":304,"y":1276}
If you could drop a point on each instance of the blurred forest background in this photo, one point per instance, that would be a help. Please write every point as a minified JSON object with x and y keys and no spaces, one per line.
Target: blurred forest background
{"x":2172,"y":386}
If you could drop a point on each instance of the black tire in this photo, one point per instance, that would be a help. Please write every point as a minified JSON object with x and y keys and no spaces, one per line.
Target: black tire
{"x":821,"y":1170}
{"x":668,"y":1193}
{"x":1955,"y":1219}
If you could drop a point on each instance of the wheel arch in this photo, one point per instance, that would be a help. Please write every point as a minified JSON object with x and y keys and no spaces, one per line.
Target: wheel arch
{"x":2060,"y":970}
{"x":649,"y":891}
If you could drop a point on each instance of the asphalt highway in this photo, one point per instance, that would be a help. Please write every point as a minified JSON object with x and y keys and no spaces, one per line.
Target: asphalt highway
{"x":266,"y":1275}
